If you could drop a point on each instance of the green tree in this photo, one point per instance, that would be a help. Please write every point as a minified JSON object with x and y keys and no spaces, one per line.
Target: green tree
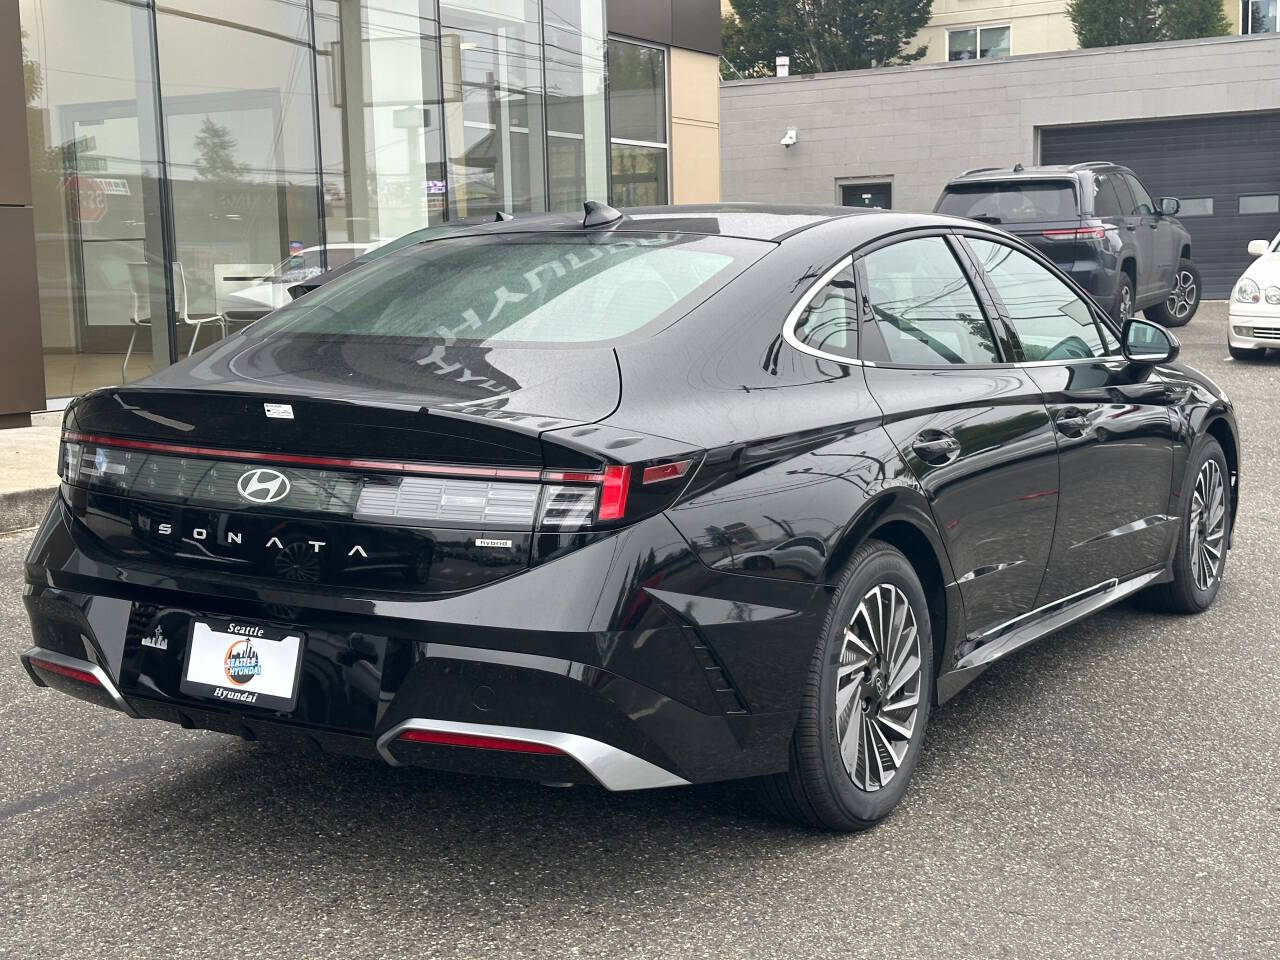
{"x":1109,"y":23}
{"x":822,"y":35}
{"x":217,"y":154}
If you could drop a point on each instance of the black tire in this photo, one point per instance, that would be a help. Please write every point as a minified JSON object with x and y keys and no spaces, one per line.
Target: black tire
{"x":1122,"y":302}
{"x":1246,"y":353}
{"x":818,"y":790}
{"x":1183,"y":594}
{"x":1183,"y":301}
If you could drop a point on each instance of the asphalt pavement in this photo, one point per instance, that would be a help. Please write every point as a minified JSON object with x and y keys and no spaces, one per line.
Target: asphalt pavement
{"x":1110,"y":792}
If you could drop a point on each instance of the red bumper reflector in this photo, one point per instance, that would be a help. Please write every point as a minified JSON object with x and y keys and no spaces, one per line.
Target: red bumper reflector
{"x":71,"y":673}
{"x":613,"y":492}
{"x":665,"y":471}
{"x":476,"y":742}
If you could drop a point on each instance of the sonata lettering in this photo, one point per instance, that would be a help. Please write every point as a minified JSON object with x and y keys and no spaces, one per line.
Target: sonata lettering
{"x":236,"y":537}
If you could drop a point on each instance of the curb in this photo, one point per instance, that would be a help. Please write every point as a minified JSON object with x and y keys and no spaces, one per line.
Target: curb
{"x":23,"y":509}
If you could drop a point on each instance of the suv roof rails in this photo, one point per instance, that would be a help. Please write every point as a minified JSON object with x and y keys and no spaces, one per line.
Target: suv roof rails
{"x":978,"y":170}
{"x":1090,"y":164}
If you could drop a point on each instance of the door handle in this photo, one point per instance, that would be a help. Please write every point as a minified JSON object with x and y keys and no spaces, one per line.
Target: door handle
{"x":1072,"y":423}
{"x":936,"y":447}
{"x":1130,"y":227}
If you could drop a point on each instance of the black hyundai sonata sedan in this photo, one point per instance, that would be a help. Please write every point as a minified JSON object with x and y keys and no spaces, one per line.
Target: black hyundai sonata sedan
{"x":680,"y":495}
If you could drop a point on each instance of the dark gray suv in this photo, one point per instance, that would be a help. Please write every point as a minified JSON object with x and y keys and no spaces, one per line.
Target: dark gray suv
{"x":1098,"y":223}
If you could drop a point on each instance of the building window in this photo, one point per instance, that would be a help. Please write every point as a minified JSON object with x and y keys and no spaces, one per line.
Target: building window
{"x":638,"y":123}
{"x":1259,"y":16}
{"x":1260,"y":203}
{"x":1196,"y":207}
{"x":878,"y":194}
{"x":978,"y":43}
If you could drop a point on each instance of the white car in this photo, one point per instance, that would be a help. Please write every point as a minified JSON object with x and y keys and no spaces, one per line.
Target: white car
{"x":1254,"y":313}
{"x":266,"y":293}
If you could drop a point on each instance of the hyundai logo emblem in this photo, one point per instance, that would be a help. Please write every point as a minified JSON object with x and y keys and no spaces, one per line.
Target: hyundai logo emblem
{"x":263,"y":486}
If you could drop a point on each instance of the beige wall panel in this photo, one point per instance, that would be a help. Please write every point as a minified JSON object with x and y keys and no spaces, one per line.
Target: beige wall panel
{"x":695,"y":163}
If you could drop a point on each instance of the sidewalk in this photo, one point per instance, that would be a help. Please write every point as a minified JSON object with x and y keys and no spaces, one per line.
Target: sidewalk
{"x":28,"y":471}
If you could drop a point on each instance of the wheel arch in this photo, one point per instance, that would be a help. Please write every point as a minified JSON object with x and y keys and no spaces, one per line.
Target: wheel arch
{"x":903,"y":520}
{"x":1221,"y":430}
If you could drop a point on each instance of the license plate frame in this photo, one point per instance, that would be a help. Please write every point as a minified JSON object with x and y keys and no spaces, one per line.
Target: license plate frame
{"x":265,"y":659}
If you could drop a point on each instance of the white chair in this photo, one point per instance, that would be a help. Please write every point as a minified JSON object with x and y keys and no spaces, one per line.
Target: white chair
{"x":139,"y":290}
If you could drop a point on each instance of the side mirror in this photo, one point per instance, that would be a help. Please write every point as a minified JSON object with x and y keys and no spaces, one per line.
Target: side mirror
{"x":1148,"y":343}
{"x":1258,"y":247}
{"x":1169,"y":206}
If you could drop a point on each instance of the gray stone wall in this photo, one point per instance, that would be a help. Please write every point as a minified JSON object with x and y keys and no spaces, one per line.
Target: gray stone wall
{"x":921,"y":125}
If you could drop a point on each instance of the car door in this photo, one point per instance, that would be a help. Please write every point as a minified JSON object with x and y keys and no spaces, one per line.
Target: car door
{"x":1112,"y":421}
{"x":1155,"y":265}
{"x":970,"y":423}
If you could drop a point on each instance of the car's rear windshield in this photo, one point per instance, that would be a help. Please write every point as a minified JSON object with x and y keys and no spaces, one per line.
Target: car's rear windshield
{"x":1010,"y":202}
{"x":536,"y":289}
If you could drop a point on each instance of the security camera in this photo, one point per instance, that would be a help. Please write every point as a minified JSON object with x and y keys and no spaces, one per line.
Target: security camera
{"x":789,"y":138}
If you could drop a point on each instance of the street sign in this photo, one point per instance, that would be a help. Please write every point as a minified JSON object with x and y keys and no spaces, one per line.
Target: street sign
{"x":86,"y":199}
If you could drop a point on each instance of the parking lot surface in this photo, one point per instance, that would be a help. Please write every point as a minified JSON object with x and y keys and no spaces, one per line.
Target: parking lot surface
{"x":1110,"y":792}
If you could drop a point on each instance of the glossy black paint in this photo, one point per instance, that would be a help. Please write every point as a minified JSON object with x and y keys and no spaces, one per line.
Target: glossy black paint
{"x":683,"y":634}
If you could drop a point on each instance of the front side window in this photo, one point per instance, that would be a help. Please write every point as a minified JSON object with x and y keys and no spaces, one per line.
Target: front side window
{"x":1050,"y":320}
{"x":523,"y":289}
{"x":1143,"y":207}
{"x":830,"y":322}
{"x":924,"y":308}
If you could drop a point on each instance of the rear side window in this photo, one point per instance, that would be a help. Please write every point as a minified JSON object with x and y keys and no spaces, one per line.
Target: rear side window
{"x":535,"y":289}
{"x":924,"y":308}
{"x":1012,"y":202}
{"x":1051,"y":322}
{"x":1106,"y":200}
{"x":829,"y":322}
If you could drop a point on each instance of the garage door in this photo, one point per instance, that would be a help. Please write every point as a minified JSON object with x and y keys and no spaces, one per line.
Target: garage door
{"x":1224,"y":169}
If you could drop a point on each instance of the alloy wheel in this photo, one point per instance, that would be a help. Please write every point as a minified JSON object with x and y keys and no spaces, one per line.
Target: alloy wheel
{"x":1183,"y":296}
{"x":878,"y":687}
{"x":1208,"y":525}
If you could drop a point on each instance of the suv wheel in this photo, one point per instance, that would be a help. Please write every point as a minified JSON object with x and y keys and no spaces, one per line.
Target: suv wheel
{"x":866,"y":700}
{"x":1183,"y":300}
{"x":1122,"y":306}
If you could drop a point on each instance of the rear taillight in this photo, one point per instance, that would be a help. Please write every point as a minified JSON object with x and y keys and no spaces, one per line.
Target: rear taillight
{"x":1076,"y":233}
{"x":501,"y":498}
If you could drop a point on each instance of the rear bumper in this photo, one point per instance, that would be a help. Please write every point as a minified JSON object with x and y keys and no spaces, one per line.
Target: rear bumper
{"x":577,"y":655}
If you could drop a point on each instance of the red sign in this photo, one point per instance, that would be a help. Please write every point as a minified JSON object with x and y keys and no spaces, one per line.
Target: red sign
{"x":87,"y":200}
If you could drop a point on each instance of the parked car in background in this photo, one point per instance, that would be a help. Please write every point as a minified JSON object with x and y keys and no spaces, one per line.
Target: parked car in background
{"x":417,"y":513}
{"x":1254,"y":312}
{"x":1098,"y":224}
{"x":271,"y":290}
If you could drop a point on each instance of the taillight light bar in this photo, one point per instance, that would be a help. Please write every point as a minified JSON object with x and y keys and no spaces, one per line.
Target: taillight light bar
{"x":1075,"y":233}
{"x":477,"y":742}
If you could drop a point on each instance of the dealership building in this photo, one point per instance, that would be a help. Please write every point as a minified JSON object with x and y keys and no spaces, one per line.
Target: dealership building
{"x":1197,"y":119}
{"x":169,"y":167}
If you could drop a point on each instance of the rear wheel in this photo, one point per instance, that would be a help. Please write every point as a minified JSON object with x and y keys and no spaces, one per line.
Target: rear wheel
{"x":1201,"y":557}
{"x":1183,"y":300}
{"x":1246,"y":353}
{"x":866,"y":699}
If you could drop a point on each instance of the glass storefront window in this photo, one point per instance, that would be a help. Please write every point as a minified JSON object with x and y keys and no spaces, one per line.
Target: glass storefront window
{"x":94,"y":142}
{"x":194,"y":159}
{"x":638,"y":123}
{"x":493,"y":106}
{"x":241,"y":141}
{"x":573,"y":31}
